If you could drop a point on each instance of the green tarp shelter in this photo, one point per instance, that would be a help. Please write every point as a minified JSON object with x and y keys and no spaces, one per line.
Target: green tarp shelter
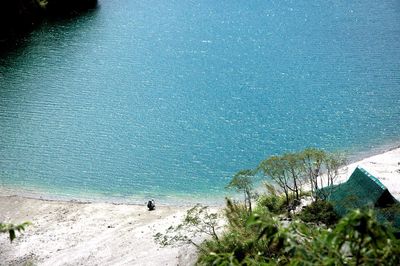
{"x":363,"y":190}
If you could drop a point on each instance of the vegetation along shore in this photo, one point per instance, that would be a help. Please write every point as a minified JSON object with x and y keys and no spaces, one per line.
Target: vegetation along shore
{"x":118,"y":234}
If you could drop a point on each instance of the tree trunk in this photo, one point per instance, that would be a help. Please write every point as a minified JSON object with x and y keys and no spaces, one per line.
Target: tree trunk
{"x":249,"y":199}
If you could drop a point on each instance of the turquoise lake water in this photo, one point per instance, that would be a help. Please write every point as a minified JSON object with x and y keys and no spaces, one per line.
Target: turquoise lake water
{"x":167,"y":99}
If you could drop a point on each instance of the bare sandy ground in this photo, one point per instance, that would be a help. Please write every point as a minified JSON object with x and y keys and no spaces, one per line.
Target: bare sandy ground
{"x":73,"y":233}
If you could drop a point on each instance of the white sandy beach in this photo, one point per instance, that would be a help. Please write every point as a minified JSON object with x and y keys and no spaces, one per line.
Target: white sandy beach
{"x":72,"y":233}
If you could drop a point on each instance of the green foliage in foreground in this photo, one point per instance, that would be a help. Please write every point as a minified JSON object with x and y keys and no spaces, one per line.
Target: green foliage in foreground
{"x":275,"y":233}
{"x":11,"y":229}
{"x":358,"y":239}
{"x":263,"y":238}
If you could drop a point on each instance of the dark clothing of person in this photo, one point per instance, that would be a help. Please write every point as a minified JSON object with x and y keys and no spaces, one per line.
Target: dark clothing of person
{"x":151,"y":205}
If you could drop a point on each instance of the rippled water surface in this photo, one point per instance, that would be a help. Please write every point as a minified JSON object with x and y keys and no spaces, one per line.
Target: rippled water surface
{"x":167,"y":99}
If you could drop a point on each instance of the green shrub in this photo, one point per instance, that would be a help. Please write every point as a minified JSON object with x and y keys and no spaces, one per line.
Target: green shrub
{"x":250,"y":241}
{"x":357,"y":239}
{"x":273,"y":203}
{"x":319,"y":212}
{"x":236,"y":214}
{"x":12,"y":228}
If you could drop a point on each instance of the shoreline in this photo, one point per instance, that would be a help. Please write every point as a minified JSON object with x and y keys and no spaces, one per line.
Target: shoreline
{"x":72,"y":232}
{"x":371,"y":152}
{"x":176,"y":200}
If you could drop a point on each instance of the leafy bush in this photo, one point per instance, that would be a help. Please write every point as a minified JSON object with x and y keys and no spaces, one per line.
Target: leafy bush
{"x":273,"y":203}
{"x":319,"y":212}
{"x":358,"y":239}
{"x":236,"y":214}
{"x":12,"y":228}
{"x":258,"y":238}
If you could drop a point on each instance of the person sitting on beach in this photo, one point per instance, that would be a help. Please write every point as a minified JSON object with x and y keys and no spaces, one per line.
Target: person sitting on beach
{"x":151,"y":205}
